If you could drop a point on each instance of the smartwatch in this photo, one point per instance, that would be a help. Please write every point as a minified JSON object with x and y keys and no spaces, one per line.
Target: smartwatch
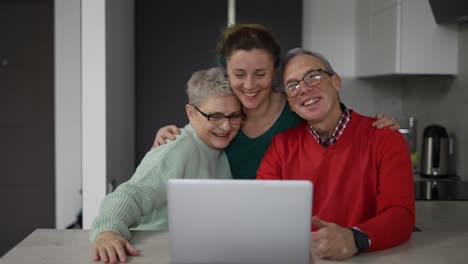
{"x":361,"y":240}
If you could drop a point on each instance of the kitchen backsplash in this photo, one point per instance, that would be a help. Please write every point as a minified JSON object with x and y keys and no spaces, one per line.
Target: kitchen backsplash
{"x":430,"y":99}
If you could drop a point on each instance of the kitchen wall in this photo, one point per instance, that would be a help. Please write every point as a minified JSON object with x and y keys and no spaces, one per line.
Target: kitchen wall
{"x":328,"y":28}
{"x":373,"y":96}
{"x":443,"y":100}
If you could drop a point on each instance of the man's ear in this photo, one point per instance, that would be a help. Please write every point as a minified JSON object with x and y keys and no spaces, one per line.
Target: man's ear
{"x":336,"y":82}
{"x":189,"y":110}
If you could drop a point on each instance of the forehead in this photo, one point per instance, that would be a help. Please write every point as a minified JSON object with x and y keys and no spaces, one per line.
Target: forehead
{"x":299,"y":65}
{"x":250,"y":58}
{"x":220,"y":102}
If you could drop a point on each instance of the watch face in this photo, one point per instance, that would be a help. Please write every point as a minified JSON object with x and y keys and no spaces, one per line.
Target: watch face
{"x":361,"y":239}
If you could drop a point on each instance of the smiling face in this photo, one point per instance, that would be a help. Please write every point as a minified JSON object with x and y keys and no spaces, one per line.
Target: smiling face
{"x":251,"y":75}
{"x":215,"y":136}
{"x":315,"y":104}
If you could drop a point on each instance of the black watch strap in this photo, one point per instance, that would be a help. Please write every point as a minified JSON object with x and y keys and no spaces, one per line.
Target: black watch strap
{"x":361,"y":240}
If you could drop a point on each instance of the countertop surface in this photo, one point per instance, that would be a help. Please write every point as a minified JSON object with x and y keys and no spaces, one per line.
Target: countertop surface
{"x":442,"y":216}
{"x":444,"y":239}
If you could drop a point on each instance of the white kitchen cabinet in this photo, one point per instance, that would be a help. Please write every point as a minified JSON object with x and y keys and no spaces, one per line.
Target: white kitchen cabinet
{"x":399,"y":37}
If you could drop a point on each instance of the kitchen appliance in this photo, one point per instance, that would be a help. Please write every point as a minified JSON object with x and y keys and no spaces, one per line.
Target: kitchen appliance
{"x":450,"y":188}
{"x":435,"y":152}
{"x":409,"y":131}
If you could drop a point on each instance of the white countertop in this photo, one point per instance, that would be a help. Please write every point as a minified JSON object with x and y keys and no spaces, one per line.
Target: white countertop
{"x":444,"y":239}
{"x":442,"y":216}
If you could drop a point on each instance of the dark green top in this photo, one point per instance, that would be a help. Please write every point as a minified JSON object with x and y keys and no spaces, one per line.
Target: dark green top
{"x":245,"y":154}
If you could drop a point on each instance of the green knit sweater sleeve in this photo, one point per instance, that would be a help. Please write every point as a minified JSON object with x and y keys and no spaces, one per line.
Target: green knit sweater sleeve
{"x":147,"y":189}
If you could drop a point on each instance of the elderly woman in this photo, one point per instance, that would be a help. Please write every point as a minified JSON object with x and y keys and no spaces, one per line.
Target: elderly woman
{"x":215,"y":117}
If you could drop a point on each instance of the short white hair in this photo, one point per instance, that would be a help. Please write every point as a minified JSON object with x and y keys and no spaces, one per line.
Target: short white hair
{"x":206,"y":83}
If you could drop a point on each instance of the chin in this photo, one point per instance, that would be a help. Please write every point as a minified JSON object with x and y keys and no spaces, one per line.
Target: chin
{"x":219,"y":144}
{"x":311,"y":115}
{"x":249,"y":104}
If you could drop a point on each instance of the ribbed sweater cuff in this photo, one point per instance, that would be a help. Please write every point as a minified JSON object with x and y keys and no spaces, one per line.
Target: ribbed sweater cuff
{"x":120,"y":229}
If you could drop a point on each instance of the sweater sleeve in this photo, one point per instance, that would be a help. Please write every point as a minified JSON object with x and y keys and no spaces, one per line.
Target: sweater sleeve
{"x":395,"y":217}
{"x":144,"y":192}
{"x":271,"y":166}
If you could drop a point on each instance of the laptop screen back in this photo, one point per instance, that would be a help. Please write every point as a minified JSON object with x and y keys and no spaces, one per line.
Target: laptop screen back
{"x":239,"y":221}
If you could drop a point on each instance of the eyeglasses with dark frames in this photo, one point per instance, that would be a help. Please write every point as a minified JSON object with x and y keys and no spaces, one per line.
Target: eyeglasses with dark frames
{"x":311,"y":78}
{"x":218,"y":118}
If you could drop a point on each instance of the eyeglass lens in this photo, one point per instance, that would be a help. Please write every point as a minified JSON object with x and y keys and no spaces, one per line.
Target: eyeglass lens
{"x":218,"y":118}
{"x":311,"y":79}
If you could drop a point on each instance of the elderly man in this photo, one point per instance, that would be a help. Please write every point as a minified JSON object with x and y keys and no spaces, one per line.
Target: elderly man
{"x":363,"y":185}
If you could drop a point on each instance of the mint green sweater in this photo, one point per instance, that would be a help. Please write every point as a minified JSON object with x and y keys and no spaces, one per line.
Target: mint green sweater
{"x":141,"y":202}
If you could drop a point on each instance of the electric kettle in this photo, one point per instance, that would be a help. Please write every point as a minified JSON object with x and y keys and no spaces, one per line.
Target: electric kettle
{"x":435,"y":152}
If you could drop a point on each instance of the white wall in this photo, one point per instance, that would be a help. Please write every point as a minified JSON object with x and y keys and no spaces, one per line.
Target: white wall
{"x":67,"y":111}
{"x":443,"y":100}
{"x":108,"y":98}
{"x":93,"y":28}
{"x":329,"y":28}
{"x":94,"y":103}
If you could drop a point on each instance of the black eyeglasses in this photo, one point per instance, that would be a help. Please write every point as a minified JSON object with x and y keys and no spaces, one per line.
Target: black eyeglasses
{"x":218,"y":118}
{"x":311,"y":78}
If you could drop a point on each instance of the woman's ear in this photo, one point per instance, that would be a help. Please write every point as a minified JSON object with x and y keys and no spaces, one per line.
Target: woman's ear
{"x":189,"y":110}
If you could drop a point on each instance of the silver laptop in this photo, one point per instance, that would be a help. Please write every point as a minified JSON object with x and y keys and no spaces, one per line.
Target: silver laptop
{"x":239,"y":221}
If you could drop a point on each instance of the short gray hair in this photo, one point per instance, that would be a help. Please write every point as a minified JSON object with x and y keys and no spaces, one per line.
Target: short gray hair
{"x":206,"y":83}
{"x":300,"y":51}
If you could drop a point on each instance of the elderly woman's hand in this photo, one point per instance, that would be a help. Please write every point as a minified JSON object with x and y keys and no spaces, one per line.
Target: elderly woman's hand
{"x":111,"y":247}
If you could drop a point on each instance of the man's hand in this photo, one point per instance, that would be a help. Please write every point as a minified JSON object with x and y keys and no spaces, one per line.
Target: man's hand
{"x":332,"y":241}
{"x":111,"y":247}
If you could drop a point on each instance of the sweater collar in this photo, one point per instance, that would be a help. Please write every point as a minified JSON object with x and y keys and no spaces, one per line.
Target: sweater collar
{"x":209,"y":151}
{"x":342,"y":124}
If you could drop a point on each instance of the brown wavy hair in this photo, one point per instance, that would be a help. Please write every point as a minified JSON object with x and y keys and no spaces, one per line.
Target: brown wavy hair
{"x":247,"y":37}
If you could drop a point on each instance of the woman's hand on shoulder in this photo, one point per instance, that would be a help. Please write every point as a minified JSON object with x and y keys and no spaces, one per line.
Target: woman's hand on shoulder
{"x":110,"y":247}
{"x":386,"y":121}
{"x":167,"y":132}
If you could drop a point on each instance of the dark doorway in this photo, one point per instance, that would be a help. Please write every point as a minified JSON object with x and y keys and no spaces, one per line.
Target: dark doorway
{"x":27,"y":191}
{"x":176,"y":38}
{"x":173,"y":39}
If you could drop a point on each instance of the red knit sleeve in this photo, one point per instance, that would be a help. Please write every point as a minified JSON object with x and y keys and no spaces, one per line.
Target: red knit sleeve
{"x":271,"y":166}
{"x":395,"y":217}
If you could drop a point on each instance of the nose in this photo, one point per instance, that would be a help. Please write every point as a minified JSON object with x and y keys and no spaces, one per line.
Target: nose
{"x":226,"y":125}
{"x":304,"y":87}
{"x":249,"y":82}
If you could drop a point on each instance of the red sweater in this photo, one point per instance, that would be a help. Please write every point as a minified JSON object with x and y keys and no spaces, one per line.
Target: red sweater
{"x":364,"y":180}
